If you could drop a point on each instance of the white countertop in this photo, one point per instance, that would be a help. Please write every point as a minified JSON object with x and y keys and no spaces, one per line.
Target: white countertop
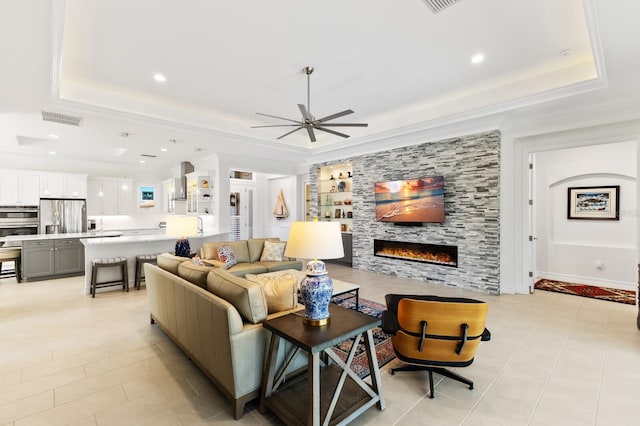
{"x":93,"y":241}
{"x":36,"y":237}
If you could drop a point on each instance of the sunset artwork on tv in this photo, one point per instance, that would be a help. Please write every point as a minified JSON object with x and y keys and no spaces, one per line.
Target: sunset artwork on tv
{"x":410,"y":201}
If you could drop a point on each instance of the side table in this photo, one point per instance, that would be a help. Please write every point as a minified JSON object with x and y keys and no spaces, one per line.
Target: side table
{"x":327,"y":394}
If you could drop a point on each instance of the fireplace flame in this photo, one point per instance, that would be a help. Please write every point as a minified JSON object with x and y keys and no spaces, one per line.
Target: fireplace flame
{"x":406,"y":253}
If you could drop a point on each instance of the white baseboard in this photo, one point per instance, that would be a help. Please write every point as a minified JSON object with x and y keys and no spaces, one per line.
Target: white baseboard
{"x":620,"y":285}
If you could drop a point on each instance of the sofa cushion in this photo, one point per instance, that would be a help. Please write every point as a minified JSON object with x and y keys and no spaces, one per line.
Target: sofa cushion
{"x":240,"y":269}
{"x":255,"y":246}
{"x":281,"y":292}
{"x":194,"y":273}
{"x":280,"y":266}
{"x":226,"y":255}
{"x":240,"y":249}
{"x":300,"y":275}
{"x":273,"y":251}
{"x":210,"y":250}
{"x":246,"y":296}
{"x":170,"y":262}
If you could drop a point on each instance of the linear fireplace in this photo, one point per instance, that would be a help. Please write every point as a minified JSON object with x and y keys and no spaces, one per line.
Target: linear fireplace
{"x":417,"y":252}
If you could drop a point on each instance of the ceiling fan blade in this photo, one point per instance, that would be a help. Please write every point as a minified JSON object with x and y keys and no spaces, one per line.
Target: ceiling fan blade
{"x":288,"y":133}
{"x":279,"y":118}
{"x":336,"y":115}
{"x":305,"y":113}
{"x":344,"y":124}
{"x":312,"y":135}
{"x":332,"y":132}
{"x":276,"y":125}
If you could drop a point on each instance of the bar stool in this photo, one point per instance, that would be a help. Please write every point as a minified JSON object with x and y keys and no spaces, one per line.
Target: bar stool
{"x":110,"y":262}
{"x":12,"y":254}
{"x":141,"y":259}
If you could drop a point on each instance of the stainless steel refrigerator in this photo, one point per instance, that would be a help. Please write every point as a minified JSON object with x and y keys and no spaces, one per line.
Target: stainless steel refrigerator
{"x":63,"y":215}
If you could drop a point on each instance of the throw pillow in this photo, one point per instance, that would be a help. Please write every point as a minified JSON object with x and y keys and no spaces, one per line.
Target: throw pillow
{"x":273,"y":251}
{"x":246,"y":296}
{"x":281,"y":292}
{"x":225,"y":254}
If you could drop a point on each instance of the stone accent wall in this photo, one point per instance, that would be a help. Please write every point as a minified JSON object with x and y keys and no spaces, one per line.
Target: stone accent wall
{"x":471,"y":169}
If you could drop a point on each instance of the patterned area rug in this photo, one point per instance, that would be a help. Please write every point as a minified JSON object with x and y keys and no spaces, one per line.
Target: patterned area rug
{"x":603,"y":293}
{"x":382,"y":341}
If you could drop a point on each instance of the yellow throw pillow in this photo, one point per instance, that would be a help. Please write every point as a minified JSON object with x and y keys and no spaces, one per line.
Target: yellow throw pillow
{"x":273,"y":251}
{"x":281,"y":292}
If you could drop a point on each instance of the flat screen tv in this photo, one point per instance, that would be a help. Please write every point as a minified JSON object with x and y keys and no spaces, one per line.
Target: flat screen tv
{"x":411,"y":201}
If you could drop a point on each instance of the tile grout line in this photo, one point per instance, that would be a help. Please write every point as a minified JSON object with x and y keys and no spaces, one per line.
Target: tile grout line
{"x":506,"y":364}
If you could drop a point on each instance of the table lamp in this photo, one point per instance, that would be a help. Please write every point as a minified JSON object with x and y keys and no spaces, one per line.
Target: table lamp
{"x":182,"y":227}
{"x":315,"y":240}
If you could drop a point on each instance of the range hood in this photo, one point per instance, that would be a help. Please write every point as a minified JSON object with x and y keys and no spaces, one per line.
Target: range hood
{"x":181,"y":183}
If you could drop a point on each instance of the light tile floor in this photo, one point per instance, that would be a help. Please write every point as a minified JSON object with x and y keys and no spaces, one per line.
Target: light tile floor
{"x":554,"y":359}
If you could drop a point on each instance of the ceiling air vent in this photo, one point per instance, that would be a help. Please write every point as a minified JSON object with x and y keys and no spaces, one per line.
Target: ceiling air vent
{"x":148,"y":155}
{"x":439,"y":5}
{"x":61,"y":118}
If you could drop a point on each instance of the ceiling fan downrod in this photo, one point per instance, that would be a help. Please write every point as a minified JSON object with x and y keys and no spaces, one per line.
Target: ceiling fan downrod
{"x":308,"y":70}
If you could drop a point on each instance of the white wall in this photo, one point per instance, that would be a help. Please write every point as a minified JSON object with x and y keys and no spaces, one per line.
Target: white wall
{"x":288,"y":185}
{"x":569,"y":249}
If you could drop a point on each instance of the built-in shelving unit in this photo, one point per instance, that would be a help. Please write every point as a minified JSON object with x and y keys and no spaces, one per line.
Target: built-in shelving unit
{"x":199,"y":194}
{"x":335,"y":200}
{"x":336,"y":195}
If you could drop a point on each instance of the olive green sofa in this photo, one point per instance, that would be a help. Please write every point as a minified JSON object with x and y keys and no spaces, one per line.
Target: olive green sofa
{"x":216,"y":319}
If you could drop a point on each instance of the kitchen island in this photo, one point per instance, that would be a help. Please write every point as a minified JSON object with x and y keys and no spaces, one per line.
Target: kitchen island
{"x":50,"y":256}
{"x":130,"y":246}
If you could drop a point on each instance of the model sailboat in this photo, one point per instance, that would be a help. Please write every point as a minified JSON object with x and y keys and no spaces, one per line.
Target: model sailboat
{"x":280,"y":211}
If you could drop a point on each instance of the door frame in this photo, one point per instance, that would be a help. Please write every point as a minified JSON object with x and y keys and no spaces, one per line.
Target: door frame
{"x":527,"y":146}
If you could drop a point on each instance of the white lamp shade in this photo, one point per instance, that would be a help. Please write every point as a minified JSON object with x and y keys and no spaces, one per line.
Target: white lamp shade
{"x":182,"y":226}
{"x":315,"y":240}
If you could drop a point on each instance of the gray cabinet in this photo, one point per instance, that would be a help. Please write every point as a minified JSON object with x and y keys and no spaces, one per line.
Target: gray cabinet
{"x":69,"y":256}
{"x":43,"y":259}
{"x":37,"y":259}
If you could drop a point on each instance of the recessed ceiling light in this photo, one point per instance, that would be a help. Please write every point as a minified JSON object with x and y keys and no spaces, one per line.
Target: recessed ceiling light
{"x":163,"y":149}
{"x":54,"y":136}
{"x":477,"y":58}
{"x":52,"y":153}
{"x":141,"y":161}
{"x":160,"y":78}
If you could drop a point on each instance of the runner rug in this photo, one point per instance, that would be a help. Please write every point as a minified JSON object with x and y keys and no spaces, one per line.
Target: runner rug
{"x":382,"y":341}
{"x":595,"y":292}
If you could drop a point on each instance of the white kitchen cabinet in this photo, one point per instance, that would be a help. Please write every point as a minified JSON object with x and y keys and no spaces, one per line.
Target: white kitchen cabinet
{"x":74,"y":186}
{"x":125,"y":196}
{"x":51,"y":185}
{"x":19,"y":188}
{"x":169,"y":195}
{"x":61,"y":185}
{"x":109,"y":196}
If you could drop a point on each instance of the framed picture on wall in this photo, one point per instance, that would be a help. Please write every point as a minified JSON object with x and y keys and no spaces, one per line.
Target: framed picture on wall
{"x":594,"y":202}
{"x":147,"y":197}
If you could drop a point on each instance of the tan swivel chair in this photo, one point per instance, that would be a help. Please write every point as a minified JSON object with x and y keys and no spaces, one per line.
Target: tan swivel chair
{"x":11,"y":254}
{"x":432,"y":332}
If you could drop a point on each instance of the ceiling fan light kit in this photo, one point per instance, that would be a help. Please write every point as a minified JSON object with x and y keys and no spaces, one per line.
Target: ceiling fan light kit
{"x":309,"y":122}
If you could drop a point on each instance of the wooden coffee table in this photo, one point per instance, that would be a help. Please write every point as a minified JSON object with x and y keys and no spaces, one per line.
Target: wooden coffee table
{"x":327,"y":394}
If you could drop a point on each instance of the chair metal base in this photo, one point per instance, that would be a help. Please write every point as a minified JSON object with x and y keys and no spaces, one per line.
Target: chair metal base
{"x":431,"y":370}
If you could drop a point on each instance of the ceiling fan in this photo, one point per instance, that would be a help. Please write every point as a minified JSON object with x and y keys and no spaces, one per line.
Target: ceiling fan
{"x":309,"y":122}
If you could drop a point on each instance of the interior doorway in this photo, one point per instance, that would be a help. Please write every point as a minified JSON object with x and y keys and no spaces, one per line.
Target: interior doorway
{"x":241,"y":205}
{"x":592,"y":252}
